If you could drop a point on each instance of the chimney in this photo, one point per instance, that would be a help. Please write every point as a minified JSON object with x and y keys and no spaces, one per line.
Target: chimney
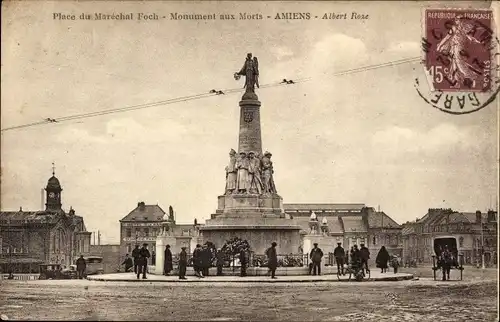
{"x":478,"y":217}
{"x":141,"y":205}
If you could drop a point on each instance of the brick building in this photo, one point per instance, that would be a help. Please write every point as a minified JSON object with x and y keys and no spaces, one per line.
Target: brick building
{"x":351,"y":224}
{"x":29,"y":238}
{"x":143,"y":224}
{"x":475,"y":232}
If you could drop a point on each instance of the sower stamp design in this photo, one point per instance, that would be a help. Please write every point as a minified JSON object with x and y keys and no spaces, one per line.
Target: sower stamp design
{"x":459,"y":55}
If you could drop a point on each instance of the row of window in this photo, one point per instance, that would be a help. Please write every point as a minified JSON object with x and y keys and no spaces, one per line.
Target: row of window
{"x":8,"y":250}
{"x":375,"y":240}
{"x":144,"y":232}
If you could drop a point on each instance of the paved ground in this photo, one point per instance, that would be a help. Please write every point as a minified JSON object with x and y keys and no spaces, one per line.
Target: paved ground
{"x":131,"y":277}
{"x":473,"y":299}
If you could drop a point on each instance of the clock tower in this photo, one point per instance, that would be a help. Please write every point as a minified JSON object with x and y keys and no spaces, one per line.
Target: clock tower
{"x":53,"y":193}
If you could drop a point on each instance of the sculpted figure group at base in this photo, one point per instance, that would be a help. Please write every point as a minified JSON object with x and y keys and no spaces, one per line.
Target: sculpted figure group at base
{"x":249,"y":174}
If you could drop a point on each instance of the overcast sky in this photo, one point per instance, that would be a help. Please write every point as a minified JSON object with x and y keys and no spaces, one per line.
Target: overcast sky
{"x":360,"y":138}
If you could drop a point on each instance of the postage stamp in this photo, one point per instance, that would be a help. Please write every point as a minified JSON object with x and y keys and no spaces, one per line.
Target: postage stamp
{"x":459,"y":49}
{"x":460,"y":58}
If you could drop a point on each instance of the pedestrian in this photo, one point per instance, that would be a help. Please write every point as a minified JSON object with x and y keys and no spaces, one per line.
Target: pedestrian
{"x":355,"y":256}
{"x":395,"y":263}
{"x":243,"y":261}
{"x":81,"y":265}
{"x":446,"y":261}
{"x":182,"y":263}
{"x":135,"y":256}
{"x":197,"y":261}
{"x":364,"y":254}
{"x":316,"y":255}
{"x":382,"y":259}
{"x":167,"y":261}
{"x":206,"y":260}
{"x":339,"y":255}
{"x":272,"y":259}
{"x":143,"y":261}
{"x":153,"y":258}
{"x":220,"y":262}
{"x":128,"y":263}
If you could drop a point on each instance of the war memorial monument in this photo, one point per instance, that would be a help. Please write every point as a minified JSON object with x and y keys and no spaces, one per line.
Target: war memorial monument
{"x":250,"y":208}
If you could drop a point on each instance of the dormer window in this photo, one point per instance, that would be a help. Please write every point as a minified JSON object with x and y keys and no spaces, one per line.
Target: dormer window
{"x":133,"y":218}
{"x":145,"y":218}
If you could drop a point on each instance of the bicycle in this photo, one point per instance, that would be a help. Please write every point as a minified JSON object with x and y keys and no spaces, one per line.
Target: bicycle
{"x":355,"y":271}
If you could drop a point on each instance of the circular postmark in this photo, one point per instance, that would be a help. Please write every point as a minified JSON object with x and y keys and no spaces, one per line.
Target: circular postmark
{"x":460,"y":59}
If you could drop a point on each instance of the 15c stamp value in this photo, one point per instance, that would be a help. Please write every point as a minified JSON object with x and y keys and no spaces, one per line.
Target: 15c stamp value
{"x":459,"y":54}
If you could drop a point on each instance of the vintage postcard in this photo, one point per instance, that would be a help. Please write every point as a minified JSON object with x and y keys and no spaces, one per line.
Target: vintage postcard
{"x":249,"y":160}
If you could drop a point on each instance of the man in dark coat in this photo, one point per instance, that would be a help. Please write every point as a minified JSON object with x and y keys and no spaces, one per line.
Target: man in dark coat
{"x":364,"y":254}
{"x":339,"y":255}
{"x":220,"y":262}
{"x":316,"y":255}
{"x":272,"y":258}
{"x":206,"y":258}
{"x":382,"y":259}
{"x":355,"y":256}
{"x":143,"y":261}
{"x":197,"y":260}
{"x":81,"y":265}
{"x":182,"y":263}
{"x":128,"y":263}
{"x":135,"y":256}
{"x":153,"y":258}
{"x":167,"y":262}
{"x":243,"y":261}
{"x":446,"y":262}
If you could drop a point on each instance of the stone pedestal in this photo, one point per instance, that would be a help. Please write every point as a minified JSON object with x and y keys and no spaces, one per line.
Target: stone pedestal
{"x":250,"y":136}
{"x":161,"y":242}
{"x":257,"y":218}
{"x":326,"y":243}
{"x":232,"y":205}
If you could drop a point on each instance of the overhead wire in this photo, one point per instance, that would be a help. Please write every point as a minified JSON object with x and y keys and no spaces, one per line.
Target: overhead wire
{"x":205,"y":95}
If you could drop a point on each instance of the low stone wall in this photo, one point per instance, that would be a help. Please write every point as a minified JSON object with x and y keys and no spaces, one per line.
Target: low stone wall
{"x":257,"y":271}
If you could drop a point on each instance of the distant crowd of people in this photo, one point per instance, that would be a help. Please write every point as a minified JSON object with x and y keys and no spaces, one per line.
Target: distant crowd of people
{"x":202,"y":260}
{"x":357,"y":258}
{"x":140,"y":261}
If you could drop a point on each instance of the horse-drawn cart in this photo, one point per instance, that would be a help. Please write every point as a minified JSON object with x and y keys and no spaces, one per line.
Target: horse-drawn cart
{"x":446,"y":256}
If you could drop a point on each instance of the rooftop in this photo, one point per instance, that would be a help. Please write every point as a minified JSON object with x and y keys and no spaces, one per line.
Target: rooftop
{"x":381,"y":220}
{"x":145,"y":212}
{"x":39,"y":217}
{"x":323,"y":206}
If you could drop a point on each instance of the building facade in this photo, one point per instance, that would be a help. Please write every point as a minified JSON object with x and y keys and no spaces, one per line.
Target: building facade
{"x":144,"y":223}
{"x":349,"y":224}
{"x":30,"y":238}
{"x":475,"y":233}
